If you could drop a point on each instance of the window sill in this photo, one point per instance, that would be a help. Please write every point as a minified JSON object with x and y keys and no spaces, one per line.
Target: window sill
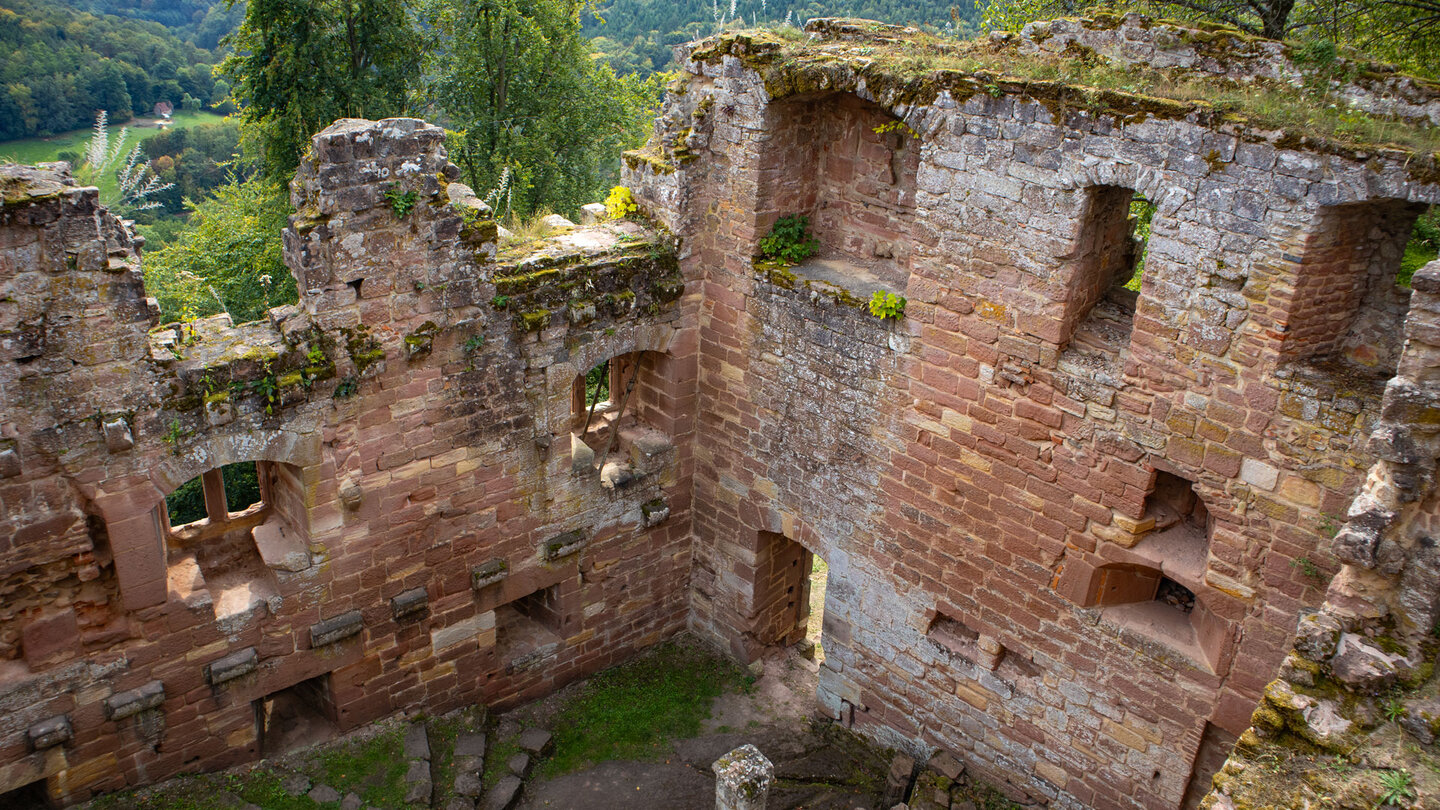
{"x":1154,"y":625}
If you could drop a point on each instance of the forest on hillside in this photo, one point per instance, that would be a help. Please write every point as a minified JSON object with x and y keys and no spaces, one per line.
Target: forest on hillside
{"x":638,"y":35}
{"x":59,"y":66}
{"x":533,"y":119}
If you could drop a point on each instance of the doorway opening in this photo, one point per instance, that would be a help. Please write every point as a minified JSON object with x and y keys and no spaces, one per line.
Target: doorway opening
{"x":298,"y":717}
{"x":26,"y":797}
{"x":819,"y":578}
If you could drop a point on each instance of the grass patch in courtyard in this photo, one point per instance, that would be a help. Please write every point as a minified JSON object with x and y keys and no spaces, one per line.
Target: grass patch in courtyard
{"x":633,"y":710}
{"x":373,"y":768}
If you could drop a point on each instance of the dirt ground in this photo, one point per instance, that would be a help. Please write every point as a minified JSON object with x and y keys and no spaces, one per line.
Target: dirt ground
{"x":816,"y":764}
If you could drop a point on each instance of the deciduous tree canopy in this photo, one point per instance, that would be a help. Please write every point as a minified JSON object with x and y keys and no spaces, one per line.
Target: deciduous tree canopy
{"x":299,"y":65}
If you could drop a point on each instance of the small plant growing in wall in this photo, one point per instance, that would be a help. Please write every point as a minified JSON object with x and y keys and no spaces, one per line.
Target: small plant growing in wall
{"x":790,"y":240}
{"x":1307,"y":566}
{"x":621,"y":203}
{"x":1396,"y":788}
{"x":896,"y":126}
{"x":348,"y":387}
{"x":173,"y":435}
{"x":401,"y":202}
{"x":887,"y":305}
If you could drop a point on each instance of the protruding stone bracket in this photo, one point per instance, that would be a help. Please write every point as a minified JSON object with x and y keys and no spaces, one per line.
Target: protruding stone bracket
{"x":339,"y":628}
{"x":134,"y":701}
{"x":50,"y":732}
{"x":563,"y":545}
{"x":409,"y":604}
{"x":742,"y":779}
{"x":9,"y":463}
{"x":118,"y":438}
{"x":653,"y":513}
{"x":232,"y":666}
{"x":488,"y":573}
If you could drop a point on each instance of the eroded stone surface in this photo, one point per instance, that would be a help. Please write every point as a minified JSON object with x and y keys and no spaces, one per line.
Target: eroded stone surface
{"x":997,"y":481}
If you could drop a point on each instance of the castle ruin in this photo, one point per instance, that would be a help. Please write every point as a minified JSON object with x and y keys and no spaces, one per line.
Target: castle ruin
{"x":1070,"y":527}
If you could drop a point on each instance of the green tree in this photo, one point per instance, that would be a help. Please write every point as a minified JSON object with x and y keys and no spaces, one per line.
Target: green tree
{"x":518,"y":86}
{"x":228,"y":256}
{"x":300,"y":64}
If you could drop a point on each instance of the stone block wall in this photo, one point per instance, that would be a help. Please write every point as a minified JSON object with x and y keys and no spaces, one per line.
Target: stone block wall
{"x":1358,"y":684}
{"x":992,"y":460}
{"x":1068,"y":527}
{"x":413,"y":425}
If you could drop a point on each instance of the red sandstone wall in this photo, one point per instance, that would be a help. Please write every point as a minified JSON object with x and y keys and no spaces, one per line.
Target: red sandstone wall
{"x":451,"y":451}
{"x":969,"y":461}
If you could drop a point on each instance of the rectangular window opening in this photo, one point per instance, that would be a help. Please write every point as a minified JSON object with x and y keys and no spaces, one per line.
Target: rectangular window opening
{"x":531,"y":628}
{"x":954,"y":635}
{"x":1108,"y":265}
{"x":1348,"y":305}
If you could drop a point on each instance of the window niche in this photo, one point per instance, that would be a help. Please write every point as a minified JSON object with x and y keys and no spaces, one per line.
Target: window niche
{"x":850,"y":167}
{"x":531,"y":629}
{"x":1346,"y":308}
{"x":1108,"y":262}
{"x":1158,"y":591}
{"x":228,"y":531}
{"x":298,"y":717}
{"x":622,"y":411}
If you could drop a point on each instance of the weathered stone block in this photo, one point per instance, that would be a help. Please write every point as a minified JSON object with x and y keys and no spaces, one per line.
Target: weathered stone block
{"x":535,"y":741}
{"x":654,"y":512}
{"x":232,"y":666}
{"x":117,"y":435}
{"x":409,"y":603}
{"x":417,"y":741}
{"x":280,"y":546}
{"x":9,"y":463}
{"x":443,"y":638}
{"x":563,"y":545}
{"x":489,"y":573}
{"x":336,"y":629}
{"x":50,"y":732}
{"x":742,"y":779}
{"x":131,"y":702}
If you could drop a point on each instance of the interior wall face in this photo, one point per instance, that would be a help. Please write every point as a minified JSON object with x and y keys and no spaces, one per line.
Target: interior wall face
{"x":1073,"y":556}
{"x":423,"y":481}
{"x":961,"y":463}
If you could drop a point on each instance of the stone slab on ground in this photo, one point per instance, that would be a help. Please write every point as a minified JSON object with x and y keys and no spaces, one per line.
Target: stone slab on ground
{"x":321,"y":794}
{"x":470,"y":744}
{"x":519,"y":764}
{"x":417,"y":742}
{"x":505,"y":793}
{"x":351,"y":802}
{"x":296,"y":784}
{"x":624,"y":786}
{"x":467,"y":776}
{"x":418,"y":787}
{"x":536,"y":741}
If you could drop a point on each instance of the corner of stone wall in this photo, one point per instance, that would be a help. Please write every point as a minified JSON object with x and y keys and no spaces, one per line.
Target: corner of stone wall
{"x":1360,"y":682}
